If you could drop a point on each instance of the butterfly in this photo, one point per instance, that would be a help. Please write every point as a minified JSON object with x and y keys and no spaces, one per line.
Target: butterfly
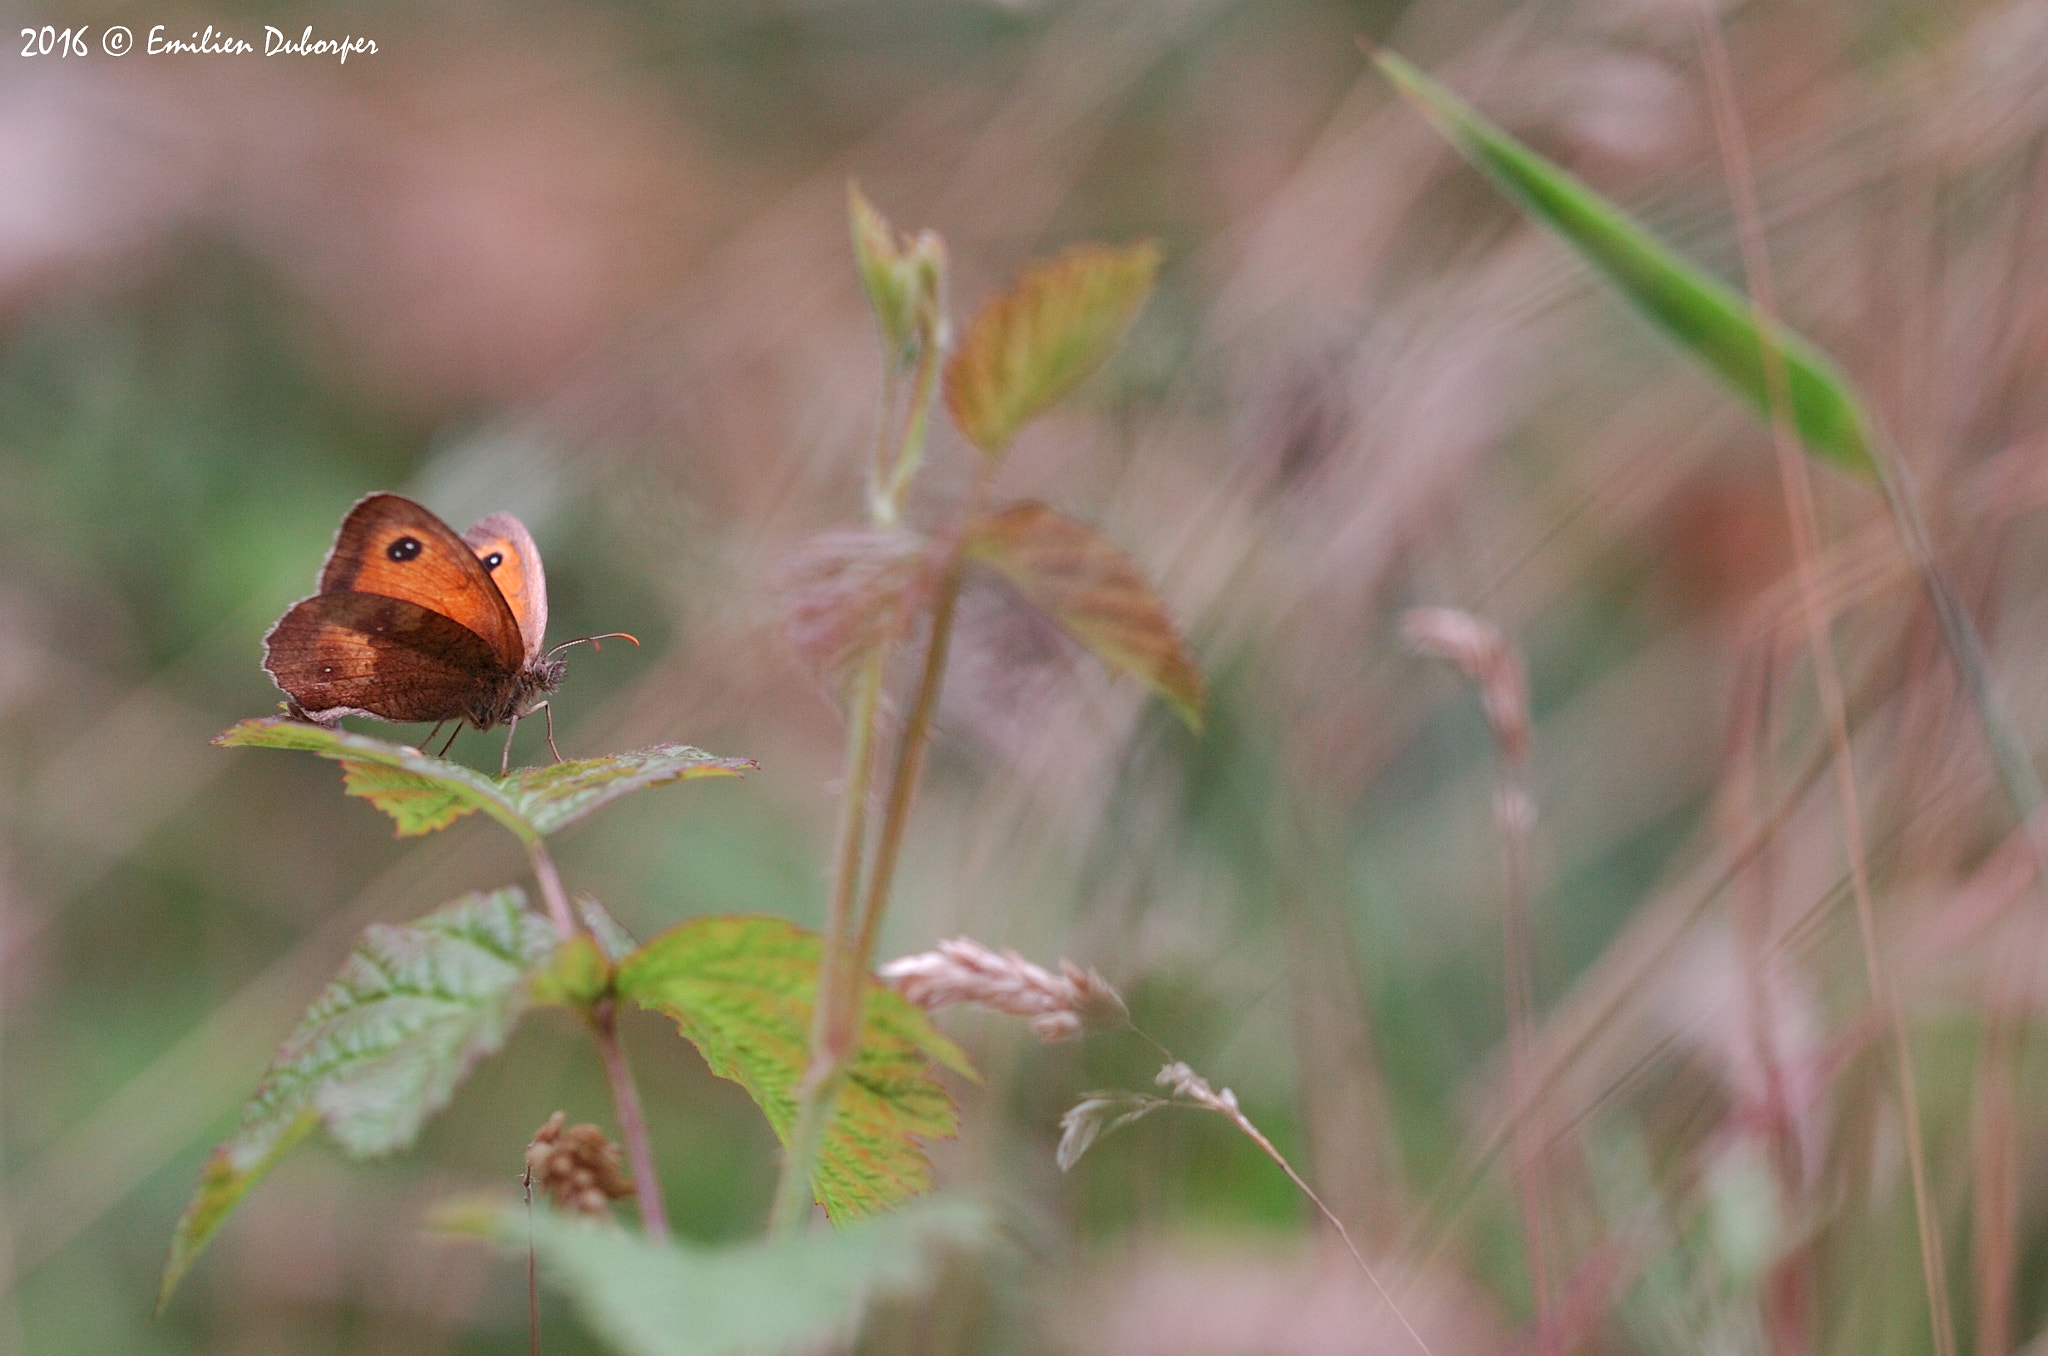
{"x":413,"y":623}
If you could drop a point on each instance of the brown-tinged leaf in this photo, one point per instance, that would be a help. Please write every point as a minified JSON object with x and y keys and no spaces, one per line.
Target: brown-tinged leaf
{"x":741,"y":990}
{"x":842,"y":593}
{"x":1034,"y":343}
{"x":1094,"y":592}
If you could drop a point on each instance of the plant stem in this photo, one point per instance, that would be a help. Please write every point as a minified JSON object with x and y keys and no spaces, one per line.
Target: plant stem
{"x":849,"y":933}
{"x":836,"y":1024}
{"x":910,"y":760}
{"x":551,"y":891}
{"x":618,"y":1073}
{"x":832,"y":1034}
{"x":632,"y":1122}
{"x":1244,"y":1123}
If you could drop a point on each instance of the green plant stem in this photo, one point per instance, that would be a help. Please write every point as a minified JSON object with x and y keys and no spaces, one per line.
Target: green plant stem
{"x":618,"y":1073}
{"x":910,"y":454}
{"x":836,"y":1027}
{"x":881,"y":508}
{"x":843,"y":964}
{"x":832,"y":1032}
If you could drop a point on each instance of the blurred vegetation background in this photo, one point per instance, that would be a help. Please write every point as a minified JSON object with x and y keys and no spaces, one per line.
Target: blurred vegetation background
{"x":587,"y":262}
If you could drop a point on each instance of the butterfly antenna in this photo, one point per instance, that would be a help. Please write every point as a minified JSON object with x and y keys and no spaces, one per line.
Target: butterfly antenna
{"x":593,"y":641}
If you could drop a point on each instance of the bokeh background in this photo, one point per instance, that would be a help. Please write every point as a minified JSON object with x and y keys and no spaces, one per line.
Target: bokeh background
{"x":587,"y":262}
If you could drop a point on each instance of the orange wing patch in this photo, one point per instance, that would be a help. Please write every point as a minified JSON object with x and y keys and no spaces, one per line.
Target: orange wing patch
{"x":507,"y":551}
{"x":392,"y":547}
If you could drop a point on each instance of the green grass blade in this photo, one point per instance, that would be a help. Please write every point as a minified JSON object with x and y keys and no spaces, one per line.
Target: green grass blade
{"x":1692,"y":306}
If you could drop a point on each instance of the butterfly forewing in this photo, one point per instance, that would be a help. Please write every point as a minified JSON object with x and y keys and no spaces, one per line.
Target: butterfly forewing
{"x":336,"y":653}
{"x":508,"y":554}
{"x":391,"y":547}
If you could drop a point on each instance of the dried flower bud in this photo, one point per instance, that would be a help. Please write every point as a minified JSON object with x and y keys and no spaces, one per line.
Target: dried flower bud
{"x":578,"y":1167}
{"x":1059,"y":1006}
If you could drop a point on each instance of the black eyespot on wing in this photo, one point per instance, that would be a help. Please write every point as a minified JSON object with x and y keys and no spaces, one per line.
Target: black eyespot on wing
{"x":494,"y":560}
{"x":405,"y":548}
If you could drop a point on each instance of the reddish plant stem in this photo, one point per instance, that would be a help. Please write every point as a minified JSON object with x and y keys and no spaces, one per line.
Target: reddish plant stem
{"x":910,"y":760}
{"x":632,"y":1121}
{"x":1799,"y":504}
{"x":618,"y":1073}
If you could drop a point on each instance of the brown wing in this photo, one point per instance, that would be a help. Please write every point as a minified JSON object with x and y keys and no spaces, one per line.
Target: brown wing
{"x":366,"y":653}
{"x":391,"y":546}
{"x":507,"y":551}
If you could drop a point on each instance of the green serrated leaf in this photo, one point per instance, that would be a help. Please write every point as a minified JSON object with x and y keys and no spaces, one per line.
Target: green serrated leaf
{"x":417,"y":803}
{"x":1691,"y":305}
{"x":1036,"y":342}
{"x":423,"y":794}
{"x":381,"y":1049}
{"x":803,"y":1292}
{"x":1085,"y":584}
{"x":741,"y":990}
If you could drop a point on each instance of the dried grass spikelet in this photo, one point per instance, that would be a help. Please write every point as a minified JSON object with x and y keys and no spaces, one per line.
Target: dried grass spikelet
{"x":1059,"y":1006}
{"x":578,"y":1167}
{"x":1483,"y":655}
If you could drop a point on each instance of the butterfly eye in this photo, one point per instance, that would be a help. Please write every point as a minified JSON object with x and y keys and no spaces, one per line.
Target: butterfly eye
{"x":494,"y":560}
{"x":405,"y":548}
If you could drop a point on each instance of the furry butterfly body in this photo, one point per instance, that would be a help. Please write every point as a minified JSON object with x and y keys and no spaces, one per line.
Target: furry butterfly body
{"x":411,"y":622}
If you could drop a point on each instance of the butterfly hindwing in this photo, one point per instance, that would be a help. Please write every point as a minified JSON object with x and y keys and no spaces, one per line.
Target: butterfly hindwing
{"x":350,"y":652}
{"x":392,"y":547}
{"x":508,"y":554}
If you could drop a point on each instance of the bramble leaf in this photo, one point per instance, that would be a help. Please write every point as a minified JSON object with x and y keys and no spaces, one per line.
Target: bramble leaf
{"x":1033,"y":344}
{"x":1691,"y":305}
{"x":804,"y":1292}
{"x":381,"y":1049}
{"x":741,"y":990}
{"x":423,"y":794}
{"x":1090,"y":589}
{"x":844,"y":592}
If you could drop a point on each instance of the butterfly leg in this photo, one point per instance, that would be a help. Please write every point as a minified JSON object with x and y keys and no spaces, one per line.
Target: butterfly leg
{"x":432,"y":734}
{"x":451,"y":740}
{"x":505,"y":763}
{"x":549,"y":708}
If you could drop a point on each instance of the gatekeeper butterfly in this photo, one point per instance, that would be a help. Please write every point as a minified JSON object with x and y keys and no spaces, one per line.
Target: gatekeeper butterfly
{"x":413,"y":623}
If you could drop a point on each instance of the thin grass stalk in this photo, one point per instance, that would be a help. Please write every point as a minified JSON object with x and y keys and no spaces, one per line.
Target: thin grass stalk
{"x":1995,"y":1155}
{"x":1786,"y":1285}
{"x":1490,"y":662}
{"x":618,"y":1073}
{"x":1515,"y":813}
{"x":1797,"y":487}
